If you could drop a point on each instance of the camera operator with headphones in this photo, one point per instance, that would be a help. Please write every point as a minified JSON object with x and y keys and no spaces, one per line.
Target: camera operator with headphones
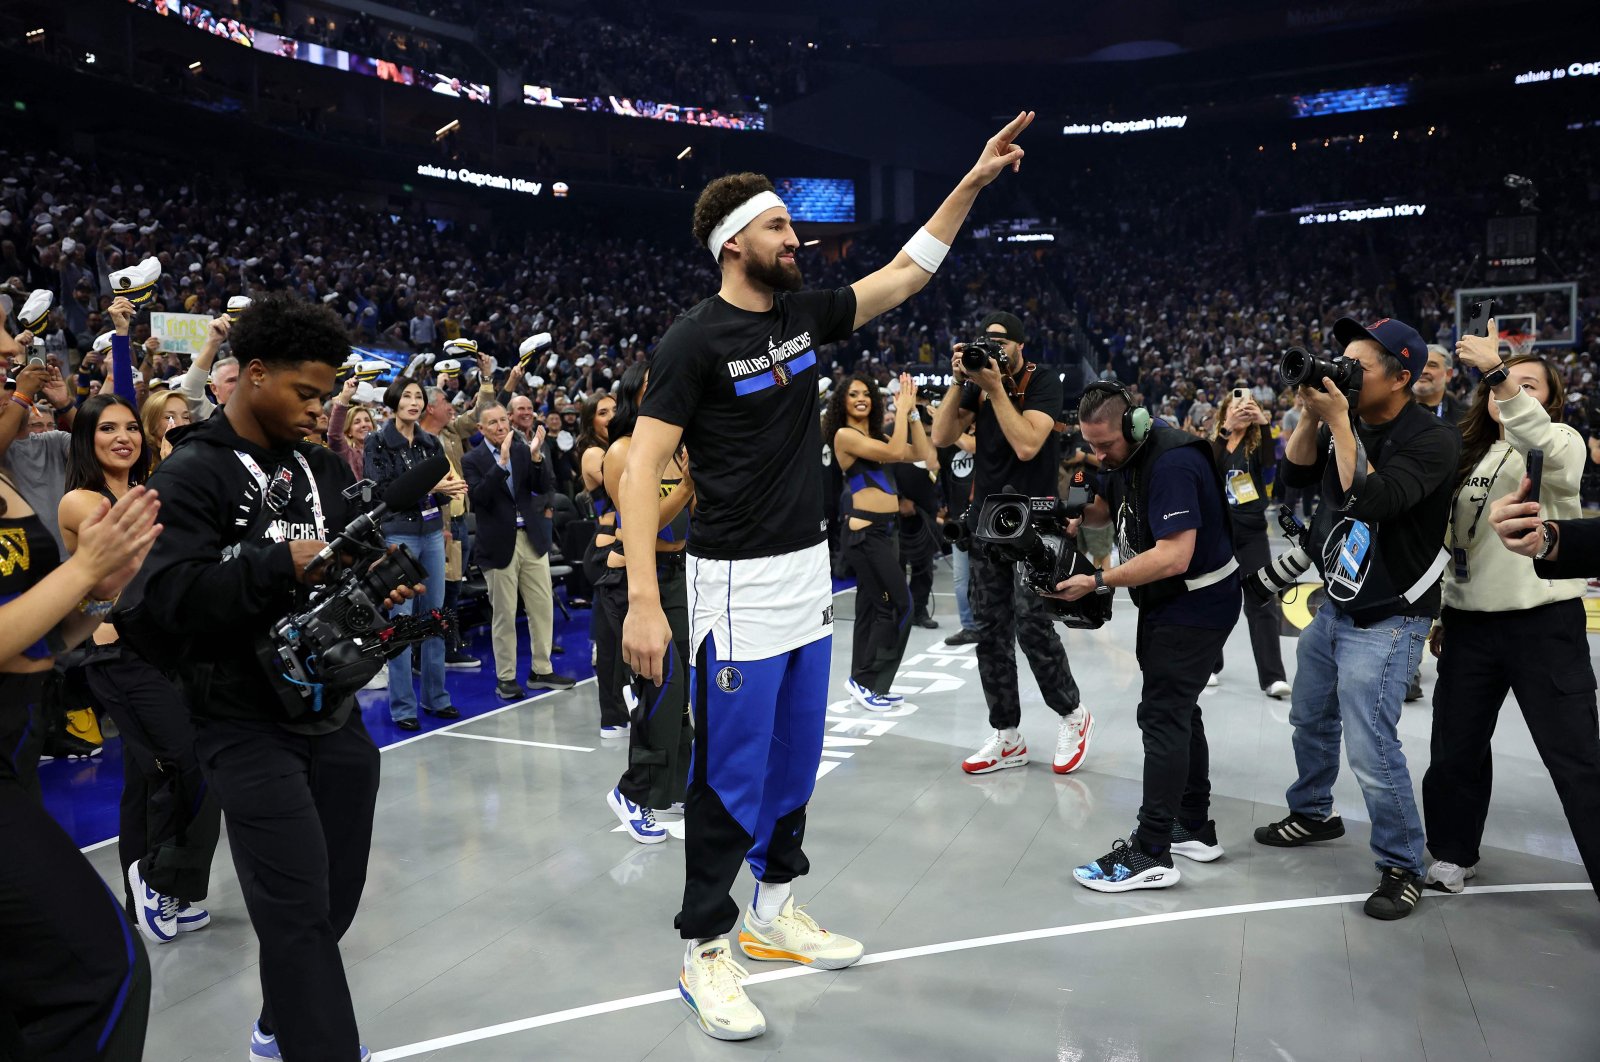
{"x":1016,"y":408}
{"x":1387,"y":477}
{"x":1160,"y":489}
{"x":248,"y":506}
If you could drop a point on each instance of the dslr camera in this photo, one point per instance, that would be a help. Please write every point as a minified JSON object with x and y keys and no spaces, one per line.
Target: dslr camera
{"x":1031,"y":532}
{"x":1300,"y":367}
{"x":1283,"y":571}
{"x":978,"y":353}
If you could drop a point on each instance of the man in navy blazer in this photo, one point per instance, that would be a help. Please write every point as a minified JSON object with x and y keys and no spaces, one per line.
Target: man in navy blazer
{"x":507,"y":480}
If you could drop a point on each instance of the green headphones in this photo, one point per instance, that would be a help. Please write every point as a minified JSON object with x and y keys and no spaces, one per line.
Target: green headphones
{"x":1136,"y":419}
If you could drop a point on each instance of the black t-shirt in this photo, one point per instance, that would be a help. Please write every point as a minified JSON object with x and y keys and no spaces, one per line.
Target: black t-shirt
{"x":955,"y":478}
{"x":1244,"y":483}
{"x":997,"y":466}
{"x":743,"y":387}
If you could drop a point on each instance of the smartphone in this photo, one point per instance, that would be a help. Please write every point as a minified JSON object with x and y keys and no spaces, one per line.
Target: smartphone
{"x":1478,"y":323}
{"x":36,"y":360}
{"x":1535,"y":473}
{"x":1240,"y":394}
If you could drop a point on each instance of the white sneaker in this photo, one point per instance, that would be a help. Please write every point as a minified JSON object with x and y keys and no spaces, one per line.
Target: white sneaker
{"x":1447,"y":877}
{"x":794,"y":937}
{"x":1072,"y":741}
{"x":712,"y":987}
{"x":615,"y":733}
{"x":1279,"y":690}
{"x":999,"y":752}
{"x":872,"y":702}
{"x":1214,"y":681}
{"x":640,"y":821}
{"x":673,"y":812}
{"x":156,"y":914}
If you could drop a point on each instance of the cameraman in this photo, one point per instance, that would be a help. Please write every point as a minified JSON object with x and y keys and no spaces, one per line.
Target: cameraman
{"x":1160,"y":488}
{"x":1386,"y":475}
{"x":298,"y":796}
{"x":1016,"y":449}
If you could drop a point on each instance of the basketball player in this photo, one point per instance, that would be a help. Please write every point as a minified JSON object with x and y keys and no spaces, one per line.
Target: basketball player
{"x":736,"y":379}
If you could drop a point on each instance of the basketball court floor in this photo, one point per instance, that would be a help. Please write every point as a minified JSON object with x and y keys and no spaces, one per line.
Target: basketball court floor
{"x":507,"y":918}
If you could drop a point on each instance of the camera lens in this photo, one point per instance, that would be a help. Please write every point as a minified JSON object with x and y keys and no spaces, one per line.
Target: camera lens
{"x":1008,"y":520}
{"x":1295,"y":367}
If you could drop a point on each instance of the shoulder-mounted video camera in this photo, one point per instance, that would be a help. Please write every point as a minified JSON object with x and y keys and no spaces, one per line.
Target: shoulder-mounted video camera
{"x":1031,"y":532}
{"x":336,"y":644}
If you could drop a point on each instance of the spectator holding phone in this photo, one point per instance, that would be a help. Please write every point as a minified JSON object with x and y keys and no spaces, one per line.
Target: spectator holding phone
{"x":1241,"y":442}
{"x":1495,"y":601}
{"x":161,"y":412}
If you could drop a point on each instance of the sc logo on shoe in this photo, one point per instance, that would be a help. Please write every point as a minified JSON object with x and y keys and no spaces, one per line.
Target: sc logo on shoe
{"x":729,"y":679}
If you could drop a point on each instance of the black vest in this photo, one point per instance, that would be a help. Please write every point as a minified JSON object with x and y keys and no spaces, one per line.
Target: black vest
{"x":1130,"y":506}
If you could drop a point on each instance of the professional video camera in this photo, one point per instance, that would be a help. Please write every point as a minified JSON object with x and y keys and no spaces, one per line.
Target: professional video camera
{"x":1300,"y":367}
{"x":1283,"y":571}
{"x":1032,"y":532}
{"x":978,"y":353}
{"x":341,"y":639}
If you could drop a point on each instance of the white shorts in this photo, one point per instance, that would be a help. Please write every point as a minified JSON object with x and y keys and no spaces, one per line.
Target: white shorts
{"x":761,"y":607}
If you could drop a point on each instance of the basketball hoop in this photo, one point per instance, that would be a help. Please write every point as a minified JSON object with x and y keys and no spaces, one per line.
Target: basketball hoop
{"x":1521,"y":343}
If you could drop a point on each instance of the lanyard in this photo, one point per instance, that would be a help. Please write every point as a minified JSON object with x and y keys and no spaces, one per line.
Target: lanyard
{"x":276,"y":503}
{"x":1482,"y":502}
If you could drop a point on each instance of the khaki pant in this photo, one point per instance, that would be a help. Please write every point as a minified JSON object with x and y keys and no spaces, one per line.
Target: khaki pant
{"x":528,"y":575}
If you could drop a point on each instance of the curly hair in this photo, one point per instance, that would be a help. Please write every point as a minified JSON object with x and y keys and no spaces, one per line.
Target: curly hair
{"x":720,"y":198}
{"x":837,"y":417}
{"x":281,"y":329}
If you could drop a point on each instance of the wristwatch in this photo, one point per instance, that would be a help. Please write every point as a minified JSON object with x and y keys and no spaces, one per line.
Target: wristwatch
{"x":1496,"y":376}
{"x":1100,"y":586}
{"x":1548,"y":530}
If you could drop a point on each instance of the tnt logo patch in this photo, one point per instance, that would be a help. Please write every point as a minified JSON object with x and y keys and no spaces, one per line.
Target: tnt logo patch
{"x":729,"y":679}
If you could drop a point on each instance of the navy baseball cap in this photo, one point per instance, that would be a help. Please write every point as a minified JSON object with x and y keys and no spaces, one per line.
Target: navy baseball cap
{"x":1008,"y":321}
{"x":1397,"y":337}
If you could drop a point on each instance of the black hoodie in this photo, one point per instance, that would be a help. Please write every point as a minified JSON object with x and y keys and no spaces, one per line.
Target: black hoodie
{"x":203,"y":584}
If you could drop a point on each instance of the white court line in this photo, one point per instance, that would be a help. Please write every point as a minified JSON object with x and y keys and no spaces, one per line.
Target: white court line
{"x":520,"y":741}
{"x":557,"y":1017}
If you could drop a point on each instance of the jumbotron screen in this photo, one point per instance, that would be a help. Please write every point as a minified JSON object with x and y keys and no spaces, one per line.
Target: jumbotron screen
{"x":240,"y":32}
{"x":633,"y":107}
{"x":1348,"y":101}
{"x":819,"y":199}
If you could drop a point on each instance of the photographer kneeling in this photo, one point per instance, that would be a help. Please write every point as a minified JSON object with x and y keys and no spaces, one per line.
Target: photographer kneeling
{"x":1387,"y":476}
{"x":1015,"y":407}
{"x":248,"y":506}
{"x":1160,"y":488}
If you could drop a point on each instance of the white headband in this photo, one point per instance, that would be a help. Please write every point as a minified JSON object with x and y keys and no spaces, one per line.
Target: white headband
{"x":739,"y":217}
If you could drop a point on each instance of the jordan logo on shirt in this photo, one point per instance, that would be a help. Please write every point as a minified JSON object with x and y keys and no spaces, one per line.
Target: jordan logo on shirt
{"x":777,"y":367}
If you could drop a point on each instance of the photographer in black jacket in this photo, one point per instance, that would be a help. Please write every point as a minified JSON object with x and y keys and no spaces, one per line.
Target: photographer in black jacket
{"x":248,"y":505}
{"x":1387,"y":475}
{"x":1016,"y":408}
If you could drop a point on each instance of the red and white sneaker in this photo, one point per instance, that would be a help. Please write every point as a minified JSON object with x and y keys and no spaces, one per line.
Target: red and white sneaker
{"x":1003,"y":749}
{"x":1072,"y":741}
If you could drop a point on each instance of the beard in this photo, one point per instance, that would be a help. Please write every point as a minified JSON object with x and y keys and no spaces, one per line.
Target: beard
{"x":775,"y":274}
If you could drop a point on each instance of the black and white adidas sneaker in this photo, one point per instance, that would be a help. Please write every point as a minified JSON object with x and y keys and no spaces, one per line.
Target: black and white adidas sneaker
{"x":1126,"y":867}
{"x":1298,"y":829}
{"x":1397,"y":895}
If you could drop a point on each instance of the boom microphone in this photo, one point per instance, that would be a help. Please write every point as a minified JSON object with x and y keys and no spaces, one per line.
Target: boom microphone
{"x":403,"y":493}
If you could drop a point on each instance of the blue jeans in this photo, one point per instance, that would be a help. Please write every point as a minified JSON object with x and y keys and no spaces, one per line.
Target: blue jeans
{"x":1351,"y":680}
{"x":429,"y":549}
{"x":961,"y":565}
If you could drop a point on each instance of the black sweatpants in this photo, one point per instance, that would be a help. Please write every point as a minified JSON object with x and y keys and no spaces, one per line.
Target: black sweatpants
{"x":299,"y":813}
{"x":1175,"y":662}
{"x":1541,"y":655}
{"x":606,"y":637}
{"x":1008,"y":614}
{"x":1252,"y":550}
{"x":883,"y":604}
{"x":660,"y":736}
{"x":169,"y":820}
{"x":74,"y":978}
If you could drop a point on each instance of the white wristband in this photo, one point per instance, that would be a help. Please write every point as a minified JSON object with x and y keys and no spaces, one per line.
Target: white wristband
{"x":927,"y":250}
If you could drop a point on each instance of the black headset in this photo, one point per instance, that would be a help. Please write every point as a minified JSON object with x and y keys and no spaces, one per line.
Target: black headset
{"x":1136,"y":420}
